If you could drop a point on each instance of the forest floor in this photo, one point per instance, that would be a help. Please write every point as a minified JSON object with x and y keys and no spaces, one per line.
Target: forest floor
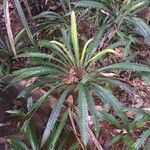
{"x":9,"y":125}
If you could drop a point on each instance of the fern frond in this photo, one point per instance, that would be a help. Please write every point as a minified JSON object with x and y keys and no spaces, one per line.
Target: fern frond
{"x":85,"y":50}
{"x":126,"y":66}
{"x":31,"y":136}
{"x":109,"y":118}
{"x":94,"y":112}
{"x":142,"y":27}
{"x":64,"y":49}
{"x":140,"y":141}
{"x":41,"y":55}
{"x":135,"y":7}
{"x":24,"y":21}
{"x":28,"y":73}
{"x":40,"y":101}
{"x":42,"y":82}
{"x":36,"y":70}
{"x":18,"y":144}
{"x":118,"y":83}
{"x":83,"y":113}
{"x":58,"y":131}
{"x":107,"y":97}
{"x":47,"y":14}
{"x":74,"y":37}
{"x":66,"y":38}
{"x":94,"y":46}
{"x":53,"y":117}
{"x":56,"y":49}
{"x":91,"y":4}
{"x":99,"y":55}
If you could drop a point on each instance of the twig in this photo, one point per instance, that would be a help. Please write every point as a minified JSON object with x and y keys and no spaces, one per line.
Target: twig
{"x":74,"y":128}
{"x":93,"y":138}
{"x":27,"y":8}
{"x":8,"y":26}
{"x":95,"y":141}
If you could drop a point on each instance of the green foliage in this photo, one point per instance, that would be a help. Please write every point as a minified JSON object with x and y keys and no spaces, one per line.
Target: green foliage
{"x":24,"y":21}
{"x":17,"y":144}
{"x":30,"y":133}
{"x":58,"y":131}
{"x":119,"y":16}
{"x":6,"y":53}
{"x":141,"y":27}
{"x":83,"y":113}
{"x":51,"y":22}
{"x":67,"y":70}
{"x":140,"y":141}
{"x":140,"y":118}
{"x":53,"y":117}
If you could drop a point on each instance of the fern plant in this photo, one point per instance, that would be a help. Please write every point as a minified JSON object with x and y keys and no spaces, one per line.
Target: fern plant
{"x":69,"y":70}
{"x":121,"y":16}
{"x":49,"y":22}
{"x":141,"y":117}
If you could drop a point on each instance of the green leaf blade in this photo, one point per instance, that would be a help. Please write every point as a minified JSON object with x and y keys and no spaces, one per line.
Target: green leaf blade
{"x":91,"y":4}
{"x":74,"y":37}
{"x":83,"y":114}
{"x":126,"y":66}
{"x":24,"y":21}
{"x":53,"y":117}
{"x":58,"y":131}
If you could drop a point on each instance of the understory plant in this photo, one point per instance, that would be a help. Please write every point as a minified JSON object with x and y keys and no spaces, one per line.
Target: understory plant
{"x":61,"y":134}
{"x":140,"y":118}
{"x":121,"y":16}
{"x":32,"y":138}
{"x":49,"y":23}
{"x":69,"y":70}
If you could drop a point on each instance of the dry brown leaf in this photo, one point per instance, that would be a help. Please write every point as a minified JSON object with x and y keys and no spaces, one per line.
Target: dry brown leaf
{"x":26,"y":83}
{"x":131,"y":114}
{"x":119,"y":52}
{"x":121,"y":131}
{"x":109,"y":74}
{"x":71,"y":78}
